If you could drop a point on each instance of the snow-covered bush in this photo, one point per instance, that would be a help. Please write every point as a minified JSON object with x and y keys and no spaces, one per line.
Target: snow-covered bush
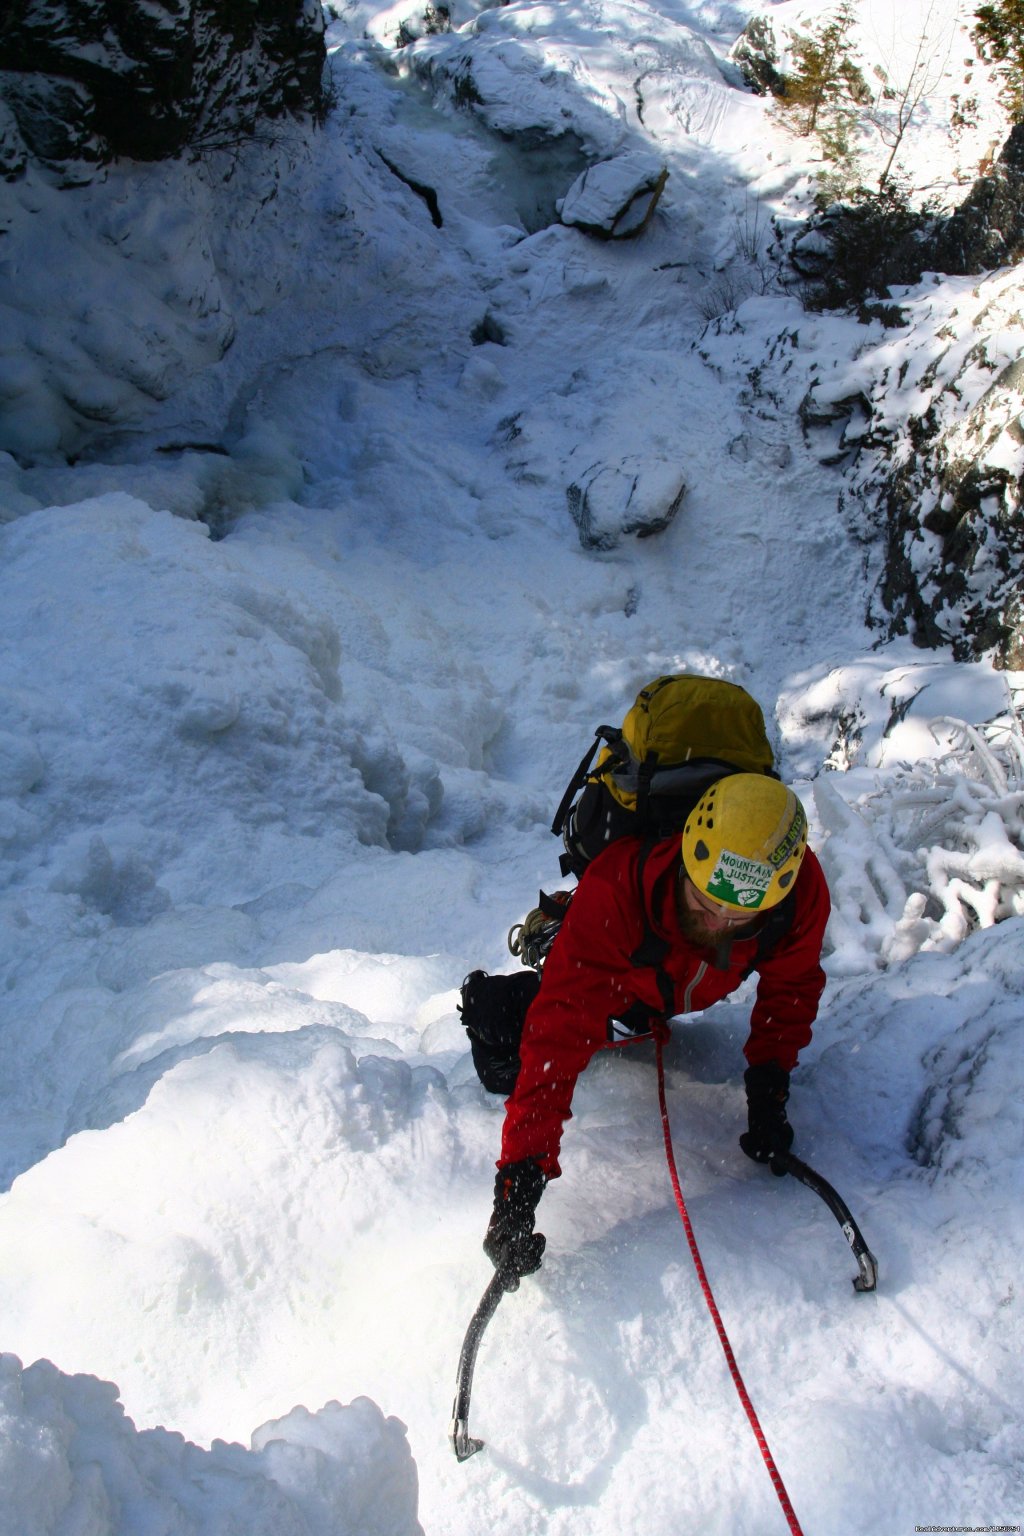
{"x":929,"y":852}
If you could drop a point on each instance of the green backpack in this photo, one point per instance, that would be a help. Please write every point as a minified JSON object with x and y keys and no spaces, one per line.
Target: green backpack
{"x":682,"y":733}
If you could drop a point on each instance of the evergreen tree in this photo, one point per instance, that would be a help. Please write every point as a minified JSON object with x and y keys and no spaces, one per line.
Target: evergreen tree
{"x":825,"y":78}
{"x":999,"y":38}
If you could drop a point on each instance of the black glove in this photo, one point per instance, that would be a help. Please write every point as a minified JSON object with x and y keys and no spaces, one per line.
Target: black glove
{"x":769,"y":1131}
{"x":511,"y":1244}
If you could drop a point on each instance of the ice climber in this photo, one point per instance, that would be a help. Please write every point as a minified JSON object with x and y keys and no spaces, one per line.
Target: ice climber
{"x":658,"y":929}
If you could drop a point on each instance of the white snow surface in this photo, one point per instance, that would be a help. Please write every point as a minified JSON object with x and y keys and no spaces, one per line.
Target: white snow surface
{"x":300,"y":646}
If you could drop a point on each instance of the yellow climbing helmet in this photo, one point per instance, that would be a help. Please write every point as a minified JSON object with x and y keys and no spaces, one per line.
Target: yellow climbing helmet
{"x":744,"y":841}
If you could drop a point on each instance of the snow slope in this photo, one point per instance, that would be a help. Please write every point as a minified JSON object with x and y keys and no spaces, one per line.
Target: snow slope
{"x":267,"y":793}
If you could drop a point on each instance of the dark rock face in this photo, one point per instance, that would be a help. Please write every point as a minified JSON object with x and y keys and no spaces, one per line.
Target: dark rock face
{"x":929,"y":428}
{"x":955,"y":572}
{"x":987,"y":230}
{"x":88,"y":80}
{"x":944,"y":489}
{"x":756,"y":54}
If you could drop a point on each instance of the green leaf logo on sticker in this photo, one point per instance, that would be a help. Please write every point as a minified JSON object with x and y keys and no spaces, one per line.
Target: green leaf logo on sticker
{"x":740,"y":882}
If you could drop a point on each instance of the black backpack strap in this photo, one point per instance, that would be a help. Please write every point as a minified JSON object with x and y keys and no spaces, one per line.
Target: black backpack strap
{"x":645,"y":773}
{"x":651,"y":951}
{"x":773,"y":930}
{"x":609,"y":734}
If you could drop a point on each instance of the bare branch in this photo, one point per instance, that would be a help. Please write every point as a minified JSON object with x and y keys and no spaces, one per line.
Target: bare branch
{"x":906,"y":86}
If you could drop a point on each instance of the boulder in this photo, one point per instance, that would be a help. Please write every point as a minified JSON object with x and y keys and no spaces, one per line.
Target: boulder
{"x":615,"y":199}
{"x":635,"y":495}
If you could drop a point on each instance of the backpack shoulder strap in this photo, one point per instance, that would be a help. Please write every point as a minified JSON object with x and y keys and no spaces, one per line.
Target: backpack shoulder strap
{"x":612,"y":736}
{"x":773,"y":930}
{"x":651,"y":950}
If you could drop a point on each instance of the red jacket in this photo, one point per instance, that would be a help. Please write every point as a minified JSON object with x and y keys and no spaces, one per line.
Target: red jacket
{"x":588,"y":979}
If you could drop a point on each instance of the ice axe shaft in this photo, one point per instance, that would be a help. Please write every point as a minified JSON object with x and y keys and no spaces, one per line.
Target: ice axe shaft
{"x":462,"y":1442}
{"x":867,"y":1280}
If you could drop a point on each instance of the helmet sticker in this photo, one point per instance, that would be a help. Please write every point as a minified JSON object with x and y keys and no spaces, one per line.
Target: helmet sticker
{"x":739,"y":881}
{"x":789,"y":844}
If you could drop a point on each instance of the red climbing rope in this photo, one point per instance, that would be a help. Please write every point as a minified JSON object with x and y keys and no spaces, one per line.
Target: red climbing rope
{"x":734,"y":1370}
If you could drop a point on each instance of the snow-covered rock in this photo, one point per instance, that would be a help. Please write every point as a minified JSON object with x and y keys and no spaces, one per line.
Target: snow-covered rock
{"x":637,"y":495}
{"x":928,"y":420}
{"x":615,"y":198}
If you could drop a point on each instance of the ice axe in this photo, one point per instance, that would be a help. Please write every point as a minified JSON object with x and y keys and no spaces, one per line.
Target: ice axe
{"x":867,"y":1280}
{"x":462,"y":1442}
{"x":465,"y":1445}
